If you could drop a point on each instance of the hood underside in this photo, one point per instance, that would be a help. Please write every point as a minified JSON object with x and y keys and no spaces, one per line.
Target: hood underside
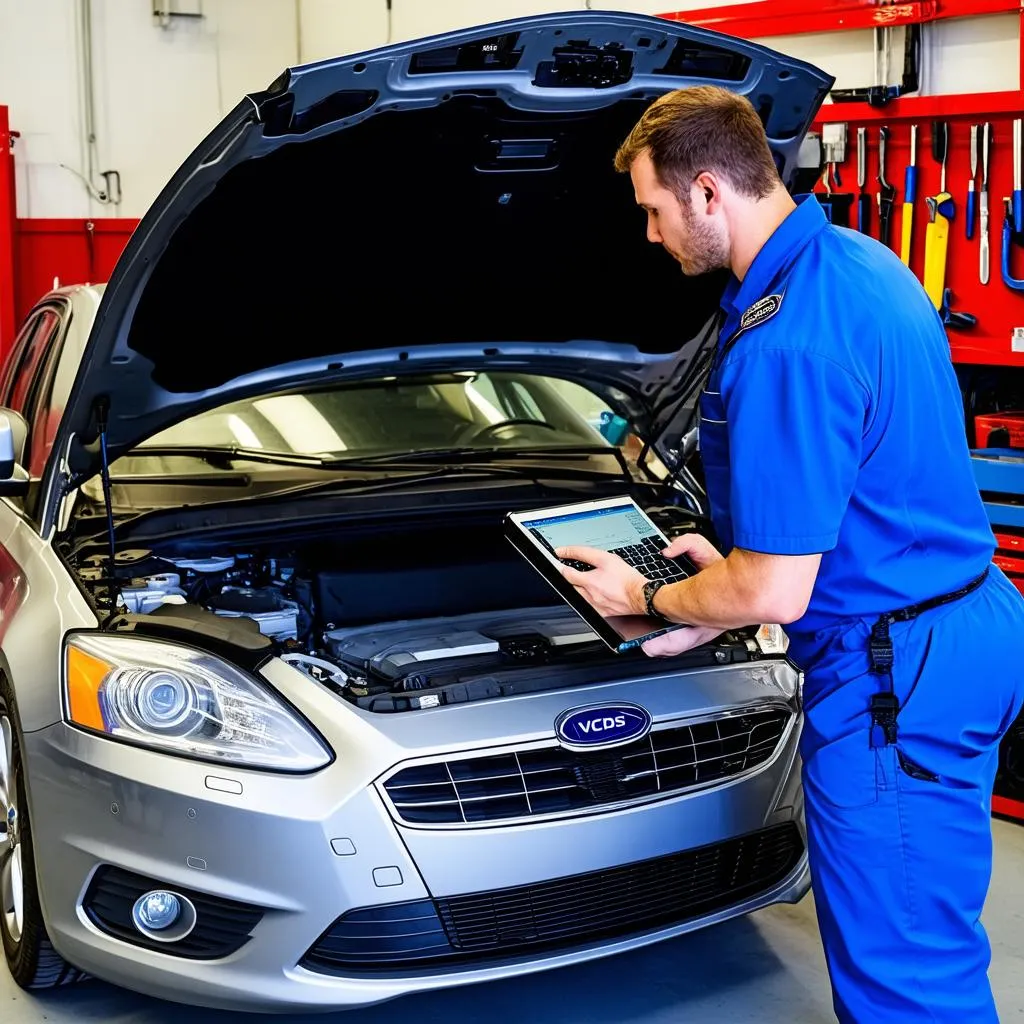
{"x":432,"y":204}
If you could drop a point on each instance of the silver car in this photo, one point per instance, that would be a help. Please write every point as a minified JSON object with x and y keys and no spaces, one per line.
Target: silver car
{"x":278,"y":700}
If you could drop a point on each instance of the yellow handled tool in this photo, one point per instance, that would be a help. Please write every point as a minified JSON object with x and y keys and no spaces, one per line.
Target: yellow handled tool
{"x":936,"y":245}
{"x":910,"y":194}
{"x":940,"y":213}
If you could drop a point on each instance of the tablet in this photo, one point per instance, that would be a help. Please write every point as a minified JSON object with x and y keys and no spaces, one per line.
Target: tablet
{"x":618,"y":525}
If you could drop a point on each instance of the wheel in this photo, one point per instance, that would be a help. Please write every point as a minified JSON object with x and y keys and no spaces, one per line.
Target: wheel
{"x":494,"y":429}
{"x":32,"y":960}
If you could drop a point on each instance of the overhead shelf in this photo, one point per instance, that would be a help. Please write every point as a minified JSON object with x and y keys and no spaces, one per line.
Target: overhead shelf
{"x":793,"y":17}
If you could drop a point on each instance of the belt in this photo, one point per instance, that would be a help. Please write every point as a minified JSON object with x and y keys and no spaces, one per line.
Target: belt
{"x":885,"y":705}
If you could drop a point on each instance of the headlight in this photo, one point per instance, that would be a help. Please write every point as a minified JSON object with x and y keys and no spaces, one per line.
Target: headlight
{"x":184,"y":701}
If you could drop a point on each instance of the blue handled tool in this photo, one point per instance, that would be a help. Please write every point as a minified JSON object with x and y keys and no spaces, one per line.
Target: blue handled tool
{"x":986,"y":144}
{"x":910,"y":188}
{"x":1016,"y":283}
{"x":1018,"y":188}
{"x":863,"y":198}
{"x":972,"y":194}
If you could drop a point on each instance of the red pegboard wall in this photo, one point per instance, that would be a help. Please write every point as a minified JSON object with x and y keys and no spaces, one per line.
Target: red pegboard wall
{"x":997,"y":308}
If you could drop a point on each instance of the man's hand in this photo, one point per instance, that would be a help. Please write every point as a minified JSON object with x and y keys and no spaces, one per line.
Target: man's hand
{"x":696,"y":548}
{"x":612,"y":587}
{"x":679,"y":640}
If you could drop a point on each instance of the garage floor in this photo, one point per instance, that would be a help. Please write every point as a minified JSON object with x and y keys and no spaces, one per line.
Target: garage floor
{"x":764,"y":968}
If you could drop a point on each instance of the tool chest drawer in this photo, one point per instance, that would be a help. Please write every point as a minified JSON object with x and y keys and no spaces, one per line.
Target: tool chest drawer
{"x":999,"y":473}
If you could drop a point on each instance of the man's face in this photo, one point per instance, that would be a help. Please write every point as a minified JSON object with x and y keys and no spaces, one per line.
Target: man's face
{"x":687,"y":234}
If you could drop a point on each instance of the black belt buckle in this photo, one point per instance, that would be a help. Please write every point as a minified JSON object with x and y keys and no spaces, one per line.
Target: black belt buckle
{"x":884,"y":709}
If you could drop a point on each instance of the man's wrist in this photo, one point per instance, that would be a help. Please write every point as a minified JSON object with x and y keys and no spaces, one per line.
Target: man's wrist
{"x":638,"y":598}
{"x":648,"y":596}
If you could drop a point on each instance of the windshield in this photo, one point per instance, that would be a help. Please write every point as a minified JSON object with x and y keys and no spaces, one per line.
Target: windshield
{"x":463,"y":410}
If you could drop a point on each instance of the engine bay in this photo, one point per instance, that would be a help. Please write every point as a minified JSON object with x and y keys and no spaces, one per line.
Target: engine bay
{"x":391,"y":622}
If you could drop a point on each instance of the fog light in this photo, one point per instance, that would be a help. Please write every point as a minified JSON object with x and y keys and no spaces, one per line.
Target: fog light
{"x":164,"y":916}
{"x":157,"y":910}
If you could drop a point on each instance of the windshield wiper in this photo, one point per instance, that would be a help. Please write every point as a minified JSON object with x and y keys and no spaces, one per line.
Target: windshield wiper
{"x":229,"y":453}
{"x":437,"y":472}
{"x":431,"y":456}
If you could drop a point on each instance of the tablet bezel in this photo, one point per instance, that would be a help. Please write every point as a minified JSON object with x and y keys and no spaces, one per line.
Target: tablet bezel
{"x":550,"y":568}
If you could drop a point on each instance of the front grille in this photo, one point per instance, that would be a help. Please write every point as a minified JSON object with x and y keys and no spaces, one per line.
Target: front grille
{"x":552,"y":780}
{"x":222,"y":926}
{"x":564,"y":912}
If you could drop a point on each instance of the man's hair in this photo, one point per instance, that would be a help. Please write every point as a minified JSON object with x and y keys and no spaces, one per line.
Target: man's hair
{"x":704,"y":128}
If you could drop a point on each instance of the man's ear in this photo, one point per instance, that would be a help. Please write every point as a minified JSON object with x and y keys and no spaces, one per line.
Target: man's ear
{"x":709,"y":189}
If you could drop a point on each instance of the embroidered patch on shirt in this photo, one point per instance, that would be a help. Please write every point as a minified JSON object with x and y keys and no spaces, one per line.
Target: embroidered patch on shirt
{"x":762,"y":310}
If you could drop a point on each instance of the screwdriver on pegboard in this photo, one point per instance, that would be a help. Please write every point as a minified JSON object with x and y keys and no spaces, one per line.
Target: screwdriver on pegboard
{"x":910,"y":190}
{"x":972,"y":194}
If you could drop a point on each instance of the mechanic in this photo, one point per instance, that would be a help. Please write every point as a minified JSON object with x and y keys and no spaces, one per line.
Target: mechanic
{"x":838,"y":474}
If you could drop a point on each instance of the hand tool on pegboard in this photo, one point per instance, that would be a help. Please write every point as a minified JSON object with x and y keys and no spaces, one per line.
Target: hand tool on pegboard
{"x":940,"y":212}
{"x":910,"y":190}
{"x":986,"y":143}
{"x":836,"y":204}
{"x":1010,"y":238}
{"x":1018,"y":189}
{"x":863,"y":199}
{"x":972,"y":194}
{"x":886,"y":192}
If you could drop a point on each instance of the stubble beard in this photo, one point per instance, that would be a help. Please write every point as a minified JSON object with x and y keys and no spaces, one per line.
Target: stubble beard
{"x":706,"y":251}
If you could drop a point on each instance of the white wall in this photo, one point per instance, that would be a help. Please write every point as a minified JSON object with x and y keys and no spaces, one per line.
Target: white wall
{"x":158,"y":91}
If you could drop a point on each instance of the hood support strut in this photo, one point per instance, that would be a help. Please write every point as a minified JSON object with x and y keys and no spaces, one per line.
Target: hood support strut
{"x":102,"y":409}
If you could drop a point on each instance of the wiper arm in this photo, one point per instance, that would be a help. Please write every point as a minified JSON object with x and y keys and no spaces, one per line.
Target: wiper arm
{"x":230,"y":453}
{"x":430,"y":456}
{"x":434,"y":456}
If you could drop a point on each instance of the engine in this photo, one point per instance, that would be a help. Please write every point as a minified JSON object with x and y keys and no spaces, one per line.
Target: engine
{"x":408,"y":620}
{"x":232,"y":586}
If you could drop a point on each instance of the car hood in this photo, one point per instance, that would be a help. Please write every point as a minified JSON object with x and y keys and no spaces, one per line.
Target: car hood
{"x":440,"y":203}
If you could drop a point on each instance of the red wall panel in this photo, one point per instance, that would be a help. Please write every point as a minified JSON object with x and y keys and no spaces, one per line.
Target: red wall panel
{"x":72,"y":251}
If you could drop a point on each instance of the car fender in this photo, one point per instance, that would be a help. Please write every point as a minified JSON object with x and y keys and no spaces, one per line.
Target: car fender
{"x":39,"y":603}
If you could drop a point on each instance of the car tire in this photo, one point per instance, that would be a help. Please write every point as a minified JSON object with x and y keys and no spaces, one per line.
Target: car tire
{"x":31,"y":958}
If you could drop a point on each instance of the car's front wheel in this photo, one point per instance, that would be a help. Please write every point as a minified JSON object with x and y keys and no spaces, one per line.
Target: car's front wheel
{"x":32,"y":960}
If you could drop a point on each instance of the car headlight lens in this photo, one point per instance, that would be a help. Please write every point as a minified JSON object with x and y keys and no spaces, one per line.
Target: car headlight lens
{"x":184,"y":701}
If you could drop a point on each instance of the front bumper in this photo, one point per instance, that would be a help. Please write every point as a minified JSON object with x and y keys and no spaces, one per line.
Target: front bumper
{"x":300,"y":852}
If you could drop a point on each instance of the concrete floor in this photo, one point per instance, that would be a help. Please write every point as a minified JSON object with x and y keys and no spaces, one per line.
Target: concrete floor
{"x":764,"y":968}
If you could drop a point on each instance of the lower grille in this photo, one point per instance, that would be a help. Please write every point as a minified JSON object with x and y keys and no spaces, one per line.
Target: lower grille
{"x":564,"y":912}
{"x":552,"y":780}
{"x":222,"y":926}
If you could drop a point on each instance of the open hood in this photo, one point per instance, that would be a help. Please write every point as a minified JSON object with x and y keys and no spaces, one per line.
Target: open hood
{"x":447,"y":202}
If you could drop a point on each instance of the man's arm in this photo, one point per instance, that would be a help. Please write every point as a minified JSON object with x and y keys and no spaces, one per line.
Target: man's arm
{"x":747,"y":588}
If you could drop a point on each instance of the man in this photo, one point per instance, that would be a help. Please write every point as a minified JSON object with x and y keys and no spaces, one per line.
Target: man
{"x":840,"y":486}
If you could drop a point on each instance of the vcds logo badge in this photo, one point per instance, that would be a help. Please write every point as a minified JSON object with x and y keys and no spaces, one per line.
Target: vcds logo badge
{"x":602,"y":725}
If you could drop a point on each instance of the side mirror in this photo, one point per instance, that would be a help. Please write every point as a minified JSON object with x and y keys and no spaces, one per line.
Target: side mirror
{"x":13,"y":479}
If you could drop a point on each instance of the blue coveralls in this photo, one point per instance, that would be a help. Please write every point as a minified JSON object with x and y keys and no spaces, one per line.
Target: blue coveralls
{"x":832,"y":422}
